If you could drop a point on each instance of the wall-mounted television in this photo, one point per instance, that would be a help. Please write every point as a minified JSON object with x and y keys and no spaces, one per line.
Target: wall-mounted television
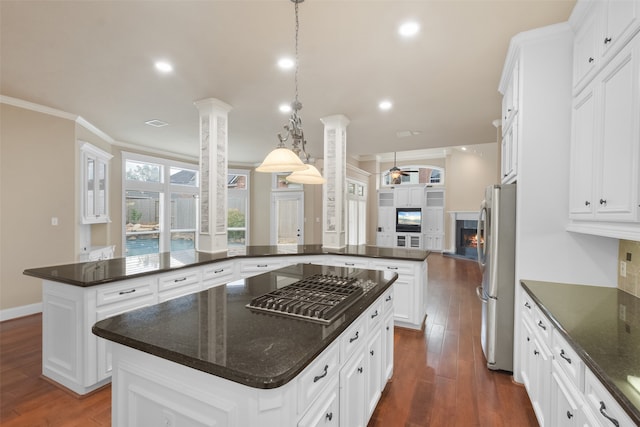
{"x":408,"y":220}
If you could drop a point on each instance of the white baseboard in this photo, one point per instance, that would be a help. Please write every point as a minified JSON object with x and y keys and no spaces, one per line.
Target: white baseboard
{"x":15,"y":312}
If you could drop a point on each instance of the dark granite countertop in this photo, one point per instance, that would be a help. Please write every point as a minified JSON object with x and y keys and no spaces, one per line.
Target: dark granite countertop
{"x":212,"y":331}
{"x":99,"y":272}
{"x":603,"y":326}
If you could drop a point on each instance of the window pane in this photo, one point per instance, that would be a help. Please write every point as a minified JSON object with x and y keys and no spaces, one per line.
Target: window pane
{"x":146,"y":172}
{"x":143,"y":222}
{"x":237,"y":182}
{"x":183,"y":240}
{"x":182,"y":176}
{"x":183,"y":212}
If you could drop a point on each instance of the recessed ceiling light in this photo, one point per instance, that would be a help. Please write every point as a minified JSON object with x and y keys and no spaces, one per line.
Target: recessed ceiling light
{"x":286,"y":63}
{"x":164,"y":66}
{"x":156,"y":123}
{"x":285,"y":108}
{"x":409,"y":29}
{"x":385,"y":105}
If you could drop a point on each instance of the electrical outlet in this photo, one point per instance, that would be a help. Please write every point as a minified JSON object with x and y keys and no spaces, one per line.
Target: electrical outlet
{"x":622,"y":312}
{"x":623,"y":269}
{"x":54,"y":221}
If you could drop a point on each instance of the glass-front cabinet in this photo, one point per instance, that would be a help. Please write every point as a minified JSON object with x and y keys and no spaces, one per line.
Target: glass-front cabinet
{"x":95,"y":182}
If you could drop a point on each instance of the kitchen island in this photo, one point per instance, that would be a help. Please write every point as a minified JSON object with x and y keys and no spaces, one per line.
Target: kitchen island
{"x":580,"y":353}
{"x":209,"y":359}
{"x":75,"y":296}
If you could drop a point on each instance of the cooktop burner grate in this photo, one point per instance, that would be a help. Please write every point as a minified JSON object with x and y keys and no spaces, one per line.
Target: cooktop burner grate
{"x":318,"y":298}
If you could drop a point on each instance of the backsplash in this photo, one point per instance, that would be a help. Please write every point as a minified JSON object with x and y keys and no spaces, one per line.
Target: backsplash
{"x":630,"y":283}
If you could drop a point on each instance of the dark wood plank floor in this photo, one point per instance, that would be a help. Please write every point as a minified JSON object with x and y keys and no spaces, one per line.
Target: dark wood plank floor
{"x":439,"y":374}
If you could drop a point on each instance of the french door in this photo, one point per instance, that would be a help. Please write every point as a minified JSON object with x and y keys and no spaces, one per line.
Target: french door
{"x":287,"y":218}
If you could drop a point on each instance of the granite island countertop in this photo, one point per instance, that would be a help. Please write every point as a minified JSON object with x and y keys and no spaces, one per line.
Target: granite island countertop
{"x":213,"y":331}
{"x":603,"y":326}
{"x":93,"y":273}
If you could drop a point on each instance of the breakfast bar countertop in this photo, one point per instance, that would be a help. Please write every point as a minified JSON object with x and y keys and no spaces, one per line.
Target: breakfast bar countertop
{"x":603,"y":326}
{"x":93,"y":273}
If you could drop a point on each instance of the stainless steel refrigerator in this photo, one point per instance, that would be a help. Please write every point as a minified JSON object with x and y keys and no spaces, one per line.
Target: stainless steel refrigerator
{"x":496,"y":256}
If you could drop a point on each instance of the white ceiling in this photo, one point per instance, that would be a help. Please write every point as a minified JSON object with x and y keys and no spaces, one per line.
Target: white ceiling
{"x":95,"y":59}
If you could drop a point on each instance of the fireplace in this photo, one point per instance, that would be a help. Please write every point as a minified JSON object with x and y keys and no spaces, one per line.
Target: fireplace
{"x":467,"y":239}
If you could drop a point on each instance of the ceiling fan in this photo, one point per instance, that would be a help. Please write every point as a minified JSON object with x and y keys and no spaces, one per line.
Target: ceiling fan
{"x":395,"y":172}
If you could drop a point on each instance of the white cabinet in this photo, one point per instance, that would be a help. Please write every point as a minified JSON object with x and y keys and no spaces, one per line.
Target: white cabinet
{"x":326,"y":410}
{"x":386,"y":226}
{"x":409,"y":196}
{"x":600,"y":402}
{"x":409,"y":240}
{"x":352,"y":392}
{"x":254,"y":266}
{"x":217,"y":274}
{"x":94,"y":181}
{"x":602,"y":30}
{"x":605,"y":146}
{"x":182,"y":282}
{"x":374,"y":369}
{"x":433,"y":220}
{"x":510,"y":118}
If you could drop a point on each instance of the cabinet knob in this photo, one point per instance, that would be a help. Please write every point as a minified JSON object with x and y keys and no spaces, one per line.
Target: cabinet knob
{"x":587,"y":203}
{"x":569,"y":415}
{"x":536,"y":352}
{"x":360,"y":369}
{"x":607,"y":40}
{"x":371,"y":352}
{"x":603,"y":202}
{"x":590,"y":60}
{"x":329,"y":416}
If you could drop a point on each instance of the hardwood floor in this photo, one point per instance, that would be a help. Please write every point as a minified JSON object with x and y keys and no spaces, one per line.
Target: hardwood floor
{"x":440,"y":378}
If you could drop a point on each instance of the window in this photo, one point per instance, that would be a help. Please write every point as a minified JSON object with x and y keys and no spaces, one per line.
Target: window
{"x":416,"y":174}
{"x":356,"y":213}
{"x":160,"y":205}
{"x":237,"y":211}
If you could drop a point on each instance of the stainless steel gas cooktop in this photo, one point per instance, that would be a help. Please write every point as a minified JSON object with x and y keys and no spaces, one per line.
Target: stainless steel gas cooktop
{"x":319,"y":298}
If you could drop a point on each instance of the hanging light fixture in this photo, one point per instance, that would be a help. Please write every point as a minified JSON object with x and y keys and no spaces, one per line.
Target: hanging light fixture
{"x":294,"y":160}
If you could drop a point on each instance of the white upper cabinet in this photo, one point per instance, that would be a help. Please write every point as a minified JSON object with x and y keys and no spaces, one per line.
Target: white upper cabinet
{"x":510,"y":119}
{"x":94,"y":179}
{"x":605,"y":146}
{"x":410,"y":196}
{"x":602,"y":30}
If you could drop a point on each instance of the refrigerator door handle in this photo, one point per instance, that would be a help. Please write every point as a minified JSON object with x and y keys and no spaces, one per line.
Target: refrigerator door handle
{"x":480,"y":235}
{"x":480,"y":294}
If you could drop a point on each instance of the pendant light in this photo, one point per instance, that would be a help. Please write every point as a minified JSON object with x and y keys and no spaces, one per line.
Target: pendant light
{"x":294,"y":160}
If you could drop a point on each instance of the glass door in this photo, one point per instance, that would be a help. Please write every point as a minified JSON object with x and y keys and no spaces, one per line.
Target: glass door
{"x":287,"y":218}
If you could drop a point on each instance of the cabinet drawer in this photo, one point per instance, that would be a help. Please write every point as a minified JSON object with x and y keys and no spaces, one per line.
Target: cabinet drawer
{"x":254,"y":267}
{"x":568,"y":359}
{"x":387,"y":301}
{"x":177,"y":280}
{"x":354,"y":262}
{"x":401,"y":269}
{"x":126,"y":290}
{"x":374,"y":315}
{"x":527,"y":306}
{"x":352,"y":338}
{"x":602,"y":404}
{"x":317,"y":376}
{"x":542,"y":326}
{"x":565,"y":400}
{"x":218,"y":273}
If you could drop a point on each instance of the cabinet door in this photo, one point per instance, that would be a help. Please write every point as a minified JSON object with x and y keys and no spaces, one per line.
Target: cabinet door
{"x":621,"y":21}
{"x":540,"y":381}
{"x":352,"y":393}
{"x":618,"y":193}
{"x":564,"y":406}
{"x":103,"y":346}
{"x":325,"y":411}
{"x":581,"y":163}
{"x":509,"y":157}
{"x":386,"y":219}
{"x":373,"y":369}
{"x":526,"y":354}
{"x":433,"y":220}
{"x":387,"y":341}
{"x":401,"y":196}
{"x":585,"y":49}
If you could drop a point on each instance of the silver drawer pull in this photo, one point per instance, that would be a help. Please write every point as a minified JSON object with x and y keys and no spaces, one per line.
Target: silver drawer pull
{"x":180,"y":280}
{"x":126,"y":292}
{"x":562,"y":354}
{"x":603,"y":408}
{"x":321,"y":376}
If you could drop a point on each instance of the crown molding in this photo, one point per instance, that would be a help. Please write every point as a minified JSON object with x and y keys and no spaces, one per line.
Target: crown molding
{"x":37,"y":107}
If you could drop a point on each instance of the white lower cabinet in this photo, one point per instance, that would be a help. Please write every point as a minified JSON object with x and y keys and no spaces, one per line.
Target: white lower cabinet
{"x":352,"y":392}
{"x":562,"y":390}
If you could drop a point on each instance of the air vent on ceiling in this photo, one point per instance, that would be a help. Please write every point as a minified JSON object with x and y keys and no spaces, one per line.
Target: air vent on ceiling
{"x":156,"y":123}
{"x":406,"y":133}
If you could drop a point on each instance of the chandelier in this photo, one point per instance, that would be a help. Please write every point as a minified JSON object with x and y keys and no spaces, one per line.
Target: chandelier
{"x":296,"y":159}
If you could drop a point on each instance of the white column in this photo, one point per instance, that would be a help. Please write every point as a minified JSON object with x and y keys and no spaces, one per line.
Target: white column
{"x":335,"y":172}
{"x":212,"y":218}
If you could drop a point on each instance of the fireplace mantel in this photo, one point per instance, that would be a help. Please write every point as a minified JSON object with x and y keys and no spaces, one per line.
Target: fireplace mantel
{"x":458,"y":216}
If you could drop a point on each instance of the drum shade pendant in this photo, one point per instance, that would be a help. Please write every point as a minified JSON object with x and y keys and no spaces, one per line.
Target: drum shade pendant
{"x":295,"y":160}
